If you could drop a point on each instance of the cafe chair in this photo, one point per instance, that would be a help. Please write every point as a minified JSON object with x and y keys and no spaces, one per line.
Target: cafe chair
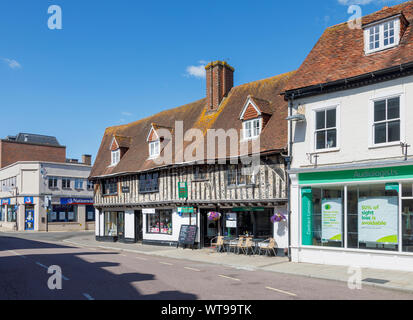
{"x":236,"y":246}
{"x":219,"y":244}
{"x":268,"y":246}
{"x":247,"y":246}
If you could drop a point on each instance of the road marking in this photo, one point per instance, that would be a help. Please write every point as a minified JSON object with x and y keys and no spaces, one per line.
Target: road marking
{"x":166,"y":263}
{"x":226,"y":277}
{"x":281,"y":291}
{"x":192,"y":269}
{"x":17,"y":254}
{"x":144,"y":259}
{"x":88,"y":296}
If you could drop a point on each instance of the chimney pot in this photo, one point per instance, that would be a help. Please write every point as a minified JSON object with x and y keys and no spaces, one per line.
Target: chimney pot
{"x":87,"y":159}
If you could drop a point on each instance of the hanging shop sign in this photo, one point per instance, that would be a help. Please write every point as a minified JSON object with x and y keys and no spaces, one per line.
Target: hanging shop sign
{"x":183,"y":190}
{"x":392,"y":187}
{"x":71,"y":201}
{"x":5,"y":202}
{"x":28,"y":200}
{"x":125,"y":189}
{"x":331,"y":219}
{"x":149,"y":211}
{"x":377,"y":221}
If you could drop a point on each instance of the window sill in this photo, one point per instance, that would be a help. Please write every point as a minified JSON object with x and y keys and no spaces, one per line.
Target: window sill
{"x":147,"y":192}
{"x":200,"y":180}
{"x":66,"y":188}
{"x":326,"y":150}
{"x":385,"y":145}
{"x":109,"y":195}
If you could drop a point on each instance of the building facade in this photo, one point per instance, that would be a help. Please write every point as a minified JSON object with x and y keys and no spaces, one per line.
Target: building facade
{"x":351,"y":134}
{"x":140,"y":198}
{"x":46,"y":196}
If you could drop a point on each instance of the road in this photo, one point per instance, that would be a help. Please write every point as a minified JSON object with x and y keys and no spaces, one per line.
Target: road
{"x":97,"y":274}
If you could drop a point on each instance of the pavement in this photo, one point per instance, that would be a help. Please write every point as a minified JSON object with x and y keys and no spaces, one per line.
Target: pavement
{"x":96,"y":271}
{"x":394,"y":280}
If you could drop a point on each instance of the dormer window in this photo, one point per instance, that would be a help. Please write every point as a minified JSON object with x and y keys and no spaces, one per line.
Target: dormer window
{"x":252,"y":128}
{"x":115,"y":157}
{"x":381,"y":36}
{"x":154,"y":149}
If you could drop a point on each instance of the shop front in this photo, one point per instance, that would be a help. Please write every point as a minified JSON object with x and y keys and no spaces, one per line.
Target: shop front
{"x":8,"y":213}
{"x":244,"y":221}
{"x":361,"y":217}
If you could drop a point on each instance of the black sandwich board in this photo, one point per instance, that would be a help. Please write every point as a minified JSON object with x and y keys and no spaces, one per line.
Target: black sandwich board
{"x":187,"y":235}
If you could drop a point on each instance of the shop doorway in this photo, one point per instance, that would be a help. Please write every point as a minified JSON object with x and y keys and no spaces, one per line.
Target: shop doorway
{"x":139,"y":225}
{"x":29,"y":218}
{"x":121,"y":226}
{"x":209,"y":229}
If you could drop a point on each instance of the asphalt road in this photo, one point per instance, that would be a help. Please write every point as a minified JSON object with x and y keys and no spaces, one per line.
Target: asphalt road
{"x":96,"y":274}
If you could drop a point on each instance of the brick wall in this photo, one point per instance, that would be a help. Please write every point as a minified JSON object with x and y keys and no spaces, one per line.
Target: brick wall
{"x":220,"y":80}
{"x":11,"y":152}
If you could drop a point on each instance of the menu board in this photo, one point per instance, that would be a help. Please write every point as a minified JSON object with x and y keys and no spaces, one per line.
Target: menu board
{"x":187,"y":235}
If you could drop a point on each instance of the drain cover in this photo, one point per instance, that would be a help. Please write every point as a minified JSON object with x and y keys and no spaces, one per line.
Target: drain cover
{"x":372,"y":280}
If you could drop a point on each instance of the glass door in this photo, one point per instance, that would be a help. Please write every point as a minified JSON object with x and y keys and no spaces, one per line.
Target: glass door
{"x":121,"y":225}
{"x":29,"y":218}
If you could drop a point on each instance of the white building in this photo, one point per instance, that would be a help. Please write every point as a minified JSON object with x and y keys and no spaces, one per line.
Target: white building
{"x":46,"y":196}
{"x":351,"y":113}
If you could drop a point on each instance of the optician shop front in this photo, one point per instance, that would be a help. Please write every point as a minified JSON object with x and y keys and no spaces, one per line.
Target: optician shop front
{"x":354,"y":216}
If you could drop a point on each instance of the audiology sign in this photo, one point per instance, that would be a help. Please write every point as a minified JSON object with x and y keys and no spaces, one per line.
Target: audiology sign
{"x":332,"y":222}
{"x":377,"y":220}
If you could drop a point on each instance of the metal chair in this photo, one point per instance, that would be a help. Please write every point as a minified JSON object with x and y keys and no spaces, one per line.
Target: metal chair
{"x":237,"y":246}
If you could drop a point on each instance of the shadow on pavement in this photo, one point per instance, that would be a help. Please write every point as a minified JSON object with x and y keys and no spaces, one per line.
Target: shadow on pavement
{"x":24,"y":274}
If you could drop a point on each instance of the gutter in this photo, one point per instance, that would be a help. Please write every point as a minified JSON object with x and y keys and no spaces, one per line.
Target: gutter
{"x":371,"y":77}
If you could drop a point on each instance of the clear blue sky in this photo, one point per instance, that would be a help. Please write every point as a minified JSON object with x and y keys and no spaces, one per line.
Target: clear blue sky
{"x":116,"y":61}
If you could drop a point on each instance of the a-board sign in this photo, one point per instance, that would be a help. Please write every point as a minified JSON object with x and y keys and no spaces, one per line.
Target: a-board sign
{"x":187,"y":235}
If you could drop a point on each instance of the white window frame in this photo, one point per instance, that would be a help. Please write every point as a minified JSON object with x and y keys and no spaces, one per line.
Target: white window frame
{"x":385,"y":96}
{"x":245,"y":130}
{"x":381,"y":25}
{"x":337,"y":127}
{"x":79,"y":184}
{"x":156,"y":151}
{"x":115,"y":157}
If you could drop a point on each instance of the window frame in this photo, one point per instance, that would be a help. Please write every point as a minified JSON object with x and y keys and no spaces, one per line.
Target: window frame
{"x":143,"y":183}
{"x":106,"y":184}
{"x":386,"y":96}
{"x":381,"y":25}
{"x":55,"y":182}
{"x":64,"y":183}
{"x":115,"y":157}
{"x":237,"y":169}
{"x":157,"y":145}
{"x":158,"y":213}
{"x":245,"y":130}
{"x":77,"y":182}
{"x":326,"y":107}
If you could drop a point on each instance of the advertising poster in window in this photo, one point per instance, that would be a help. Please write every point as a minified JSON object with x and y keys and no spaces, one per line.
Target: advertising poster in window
{"x":377,"y":220}
{"x":332,"y":219}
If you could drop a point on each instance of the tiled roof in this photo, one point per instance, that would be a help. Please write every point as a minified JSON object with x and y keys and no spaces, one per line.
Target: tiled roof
{"x":35,"y":139}
{"x":196,"y":115}
{"x":339,"y":53}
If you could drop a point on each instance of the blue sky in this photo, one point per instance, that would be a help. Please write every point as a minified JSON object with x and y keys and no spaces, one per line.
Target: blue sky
{"x":116,"y":61}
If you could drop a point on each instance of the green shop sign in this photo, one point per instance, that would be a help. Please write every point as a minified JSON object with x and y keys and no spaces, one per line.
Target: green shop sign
{"x":183,"y":190}
{"x":307,"y":216}
{"x":186,"y":210}
{"x":375,"y":174}
{"x":246,"y":209}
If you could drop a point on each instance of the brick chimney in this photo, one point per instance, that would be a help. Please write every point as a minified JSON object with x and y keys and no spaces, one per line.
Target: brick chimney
{"x":220,"y":80}
{"x":87,"y":159}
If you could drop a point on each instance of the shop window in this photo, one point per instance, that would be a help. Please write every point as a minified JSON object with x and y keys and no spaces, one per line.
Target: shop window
{"x":407,"y":190}
{"x":407,"y":224}
{"x":1,"y":214}
{"x":160,"y":222}
{"x":111,"y":224}
{"x":149,"y":182}
{"x":326,"y":129}
{"x":11,"y":214}
{"x":90,"y":213}
{"x":373,"y":212}
{"x":386,"y":127}
{"x":323,"y":217}
{"x":63,"y":213}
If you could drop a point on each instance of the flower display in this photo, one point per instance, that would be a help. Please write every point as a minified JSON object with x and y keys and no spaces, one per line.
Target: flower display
{"x":214,"y":216}
{"x":278,"y":217}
